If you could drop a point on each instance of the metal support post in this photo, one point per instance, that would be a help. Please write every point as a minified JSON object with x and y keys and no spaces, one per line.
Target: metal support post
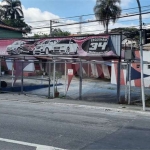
{"x":88,"y":69}
{"x":0,"y":73}
{"x":54,"y":71}
{"x":65,"y":78}
{"x":129,"y":96}
{"x":12,"y":74}
{"x":49,"y":83}
{"x":49,"y":80}
{"x":119,"y":71}
{"x":22,"y":77}
{"x":141,"y":57}
{"x":118,"y":80}
{"x":126,"y":86}
{"x":80,"y":81}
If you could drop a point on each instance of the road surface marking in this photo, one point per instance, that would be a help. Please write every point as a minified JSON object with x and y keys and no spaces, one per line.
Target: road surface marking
{"x":38,"y":147}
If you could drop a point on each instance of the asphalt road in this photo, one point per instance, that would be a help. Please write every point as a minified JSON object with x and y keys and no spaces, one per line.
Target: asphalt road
{"x":45,"y":126}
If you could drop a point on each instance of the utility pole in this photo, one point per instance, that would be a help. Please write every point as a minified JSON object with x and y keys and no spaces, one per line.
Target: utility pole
{"x":80,"y":25}
{"x":51,"y":28}
{"x":141,"y":57}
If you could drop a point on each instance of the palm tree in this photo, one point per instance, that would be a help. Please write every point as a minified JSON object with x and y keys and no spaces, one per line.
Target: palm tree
{"x":13,"y":9}
{"x":1,"y":12}
{"x":12,"y":15}
{"x":106,"y":11}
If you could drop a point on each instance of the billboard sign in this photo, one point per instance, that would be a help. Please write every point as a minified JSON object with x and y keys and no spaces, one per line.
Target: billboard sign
{"x":82,"y":46}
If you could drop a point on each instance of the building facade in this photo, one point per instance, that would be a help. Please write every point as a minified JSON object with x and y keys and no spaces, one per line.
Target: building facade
{"x":10,"y":32}
{"x":135,"y":70}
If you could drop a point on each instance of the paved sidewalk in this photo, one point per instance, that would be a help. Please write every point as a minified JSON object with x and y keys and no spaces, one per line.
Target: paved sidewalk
{"x":75,"y":103}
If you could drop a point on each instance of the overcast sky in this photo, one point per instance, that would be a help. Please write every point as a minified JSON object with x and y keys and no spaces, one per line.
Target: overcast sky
{"x":42,"y":10}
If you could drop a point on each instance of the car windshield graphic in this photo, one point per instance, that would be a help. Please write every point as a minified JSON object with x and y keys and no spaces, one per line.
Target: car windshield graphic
{"x":63,"y":42}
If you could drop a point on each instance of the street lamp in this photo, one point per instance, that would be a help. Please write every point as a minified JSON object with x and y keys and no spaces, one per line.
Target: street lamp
{"x":141,"y":56}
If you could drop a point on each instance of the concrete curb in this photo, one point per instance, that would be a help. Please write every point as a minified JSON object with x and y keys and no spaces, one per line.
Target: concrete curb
{"x":105,"y":108}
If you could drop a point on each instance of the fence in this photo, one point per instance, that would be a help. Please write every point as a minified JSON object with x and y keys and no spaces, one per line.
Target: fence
{"x":67,"y":78}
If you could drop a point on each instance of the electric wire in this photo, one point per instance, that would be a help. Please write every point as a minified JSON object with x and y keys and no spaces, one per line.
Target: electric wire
{"x":133,"y":8}
{"x":90,"y":21}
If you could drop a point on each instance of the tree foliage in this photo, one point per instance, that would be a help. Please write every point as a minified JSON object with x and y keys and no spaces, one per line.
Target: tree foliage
{"x":12,"y":15}
{"x":106,"y":11}
{"x":16,"y":23}
{"x":58,"y":32}
{"x":132,"y":33}
{"x":12,"y":9}
{"x":55,"y":33}
{"x":41,"y":35}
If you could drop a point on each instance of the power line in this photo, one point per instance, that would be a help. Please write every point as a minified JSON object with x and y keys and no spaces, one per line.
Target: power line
{"x":117,"y":22}
{"x":114,"y":28}
{"x":109,"y":29}
{"x":85,"y":26}
{"x":86,"y":15}
{"x":91,"y":25}
{"x":131,"y":15}
{"x":125,"y":16}
{"x":86,"y":31}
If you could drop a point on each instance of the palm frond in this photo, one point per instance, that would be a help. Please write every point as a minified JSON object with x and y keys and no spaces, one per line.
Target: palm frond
{"x":6,"y":3}
{"x":106,"y":11}
{"x":13,"y":9}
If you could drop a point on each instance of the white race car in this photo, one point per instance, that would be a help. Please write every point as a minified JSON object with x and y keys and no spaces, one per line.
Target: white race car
{"x":45,"y":47}
{"x":68,"y":46}
{"x":15,"y":48}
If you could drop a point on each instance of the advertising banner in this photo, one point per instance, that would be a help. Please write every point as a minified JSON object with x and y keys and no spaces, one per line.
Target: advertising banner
{"x":97,"y":45}
{"x":94,"y":47}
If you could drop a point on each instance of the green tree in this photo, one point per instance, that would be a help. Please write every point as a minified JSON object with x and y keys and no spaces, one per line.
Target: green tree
{"x":106,"y":11}
{"x":41,"y":35}
{"x":131,"y":33}
{"x":55,"y":33}
{"x":12,"y":15}
{"x":16,"y":23}
{"x":58,"y":32}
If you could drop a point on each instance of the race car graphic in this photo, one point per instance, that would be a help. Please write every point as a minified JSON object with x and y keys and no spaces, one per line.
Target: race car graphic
{"x":44,"y":47}
{"x":15,"y":48}
{"x":67,"y":46}
{"x":29,"y":46}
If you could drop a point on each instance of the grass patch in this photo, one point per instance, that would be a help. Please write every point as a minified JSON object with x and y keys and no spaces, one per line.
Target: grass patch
{"x":147,"y":100}
{"x":62,"y":96}
{"x":111,"y":88}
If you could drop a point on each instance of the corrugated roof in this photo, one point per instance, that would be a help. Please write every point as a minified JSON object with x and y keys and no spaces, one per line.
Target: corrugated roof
{"x":4,"y":26}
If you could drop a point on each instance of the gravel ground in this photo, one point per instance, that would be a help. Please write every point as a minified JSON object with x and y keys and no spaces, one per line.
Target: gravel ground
{"x":92,"y":89}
